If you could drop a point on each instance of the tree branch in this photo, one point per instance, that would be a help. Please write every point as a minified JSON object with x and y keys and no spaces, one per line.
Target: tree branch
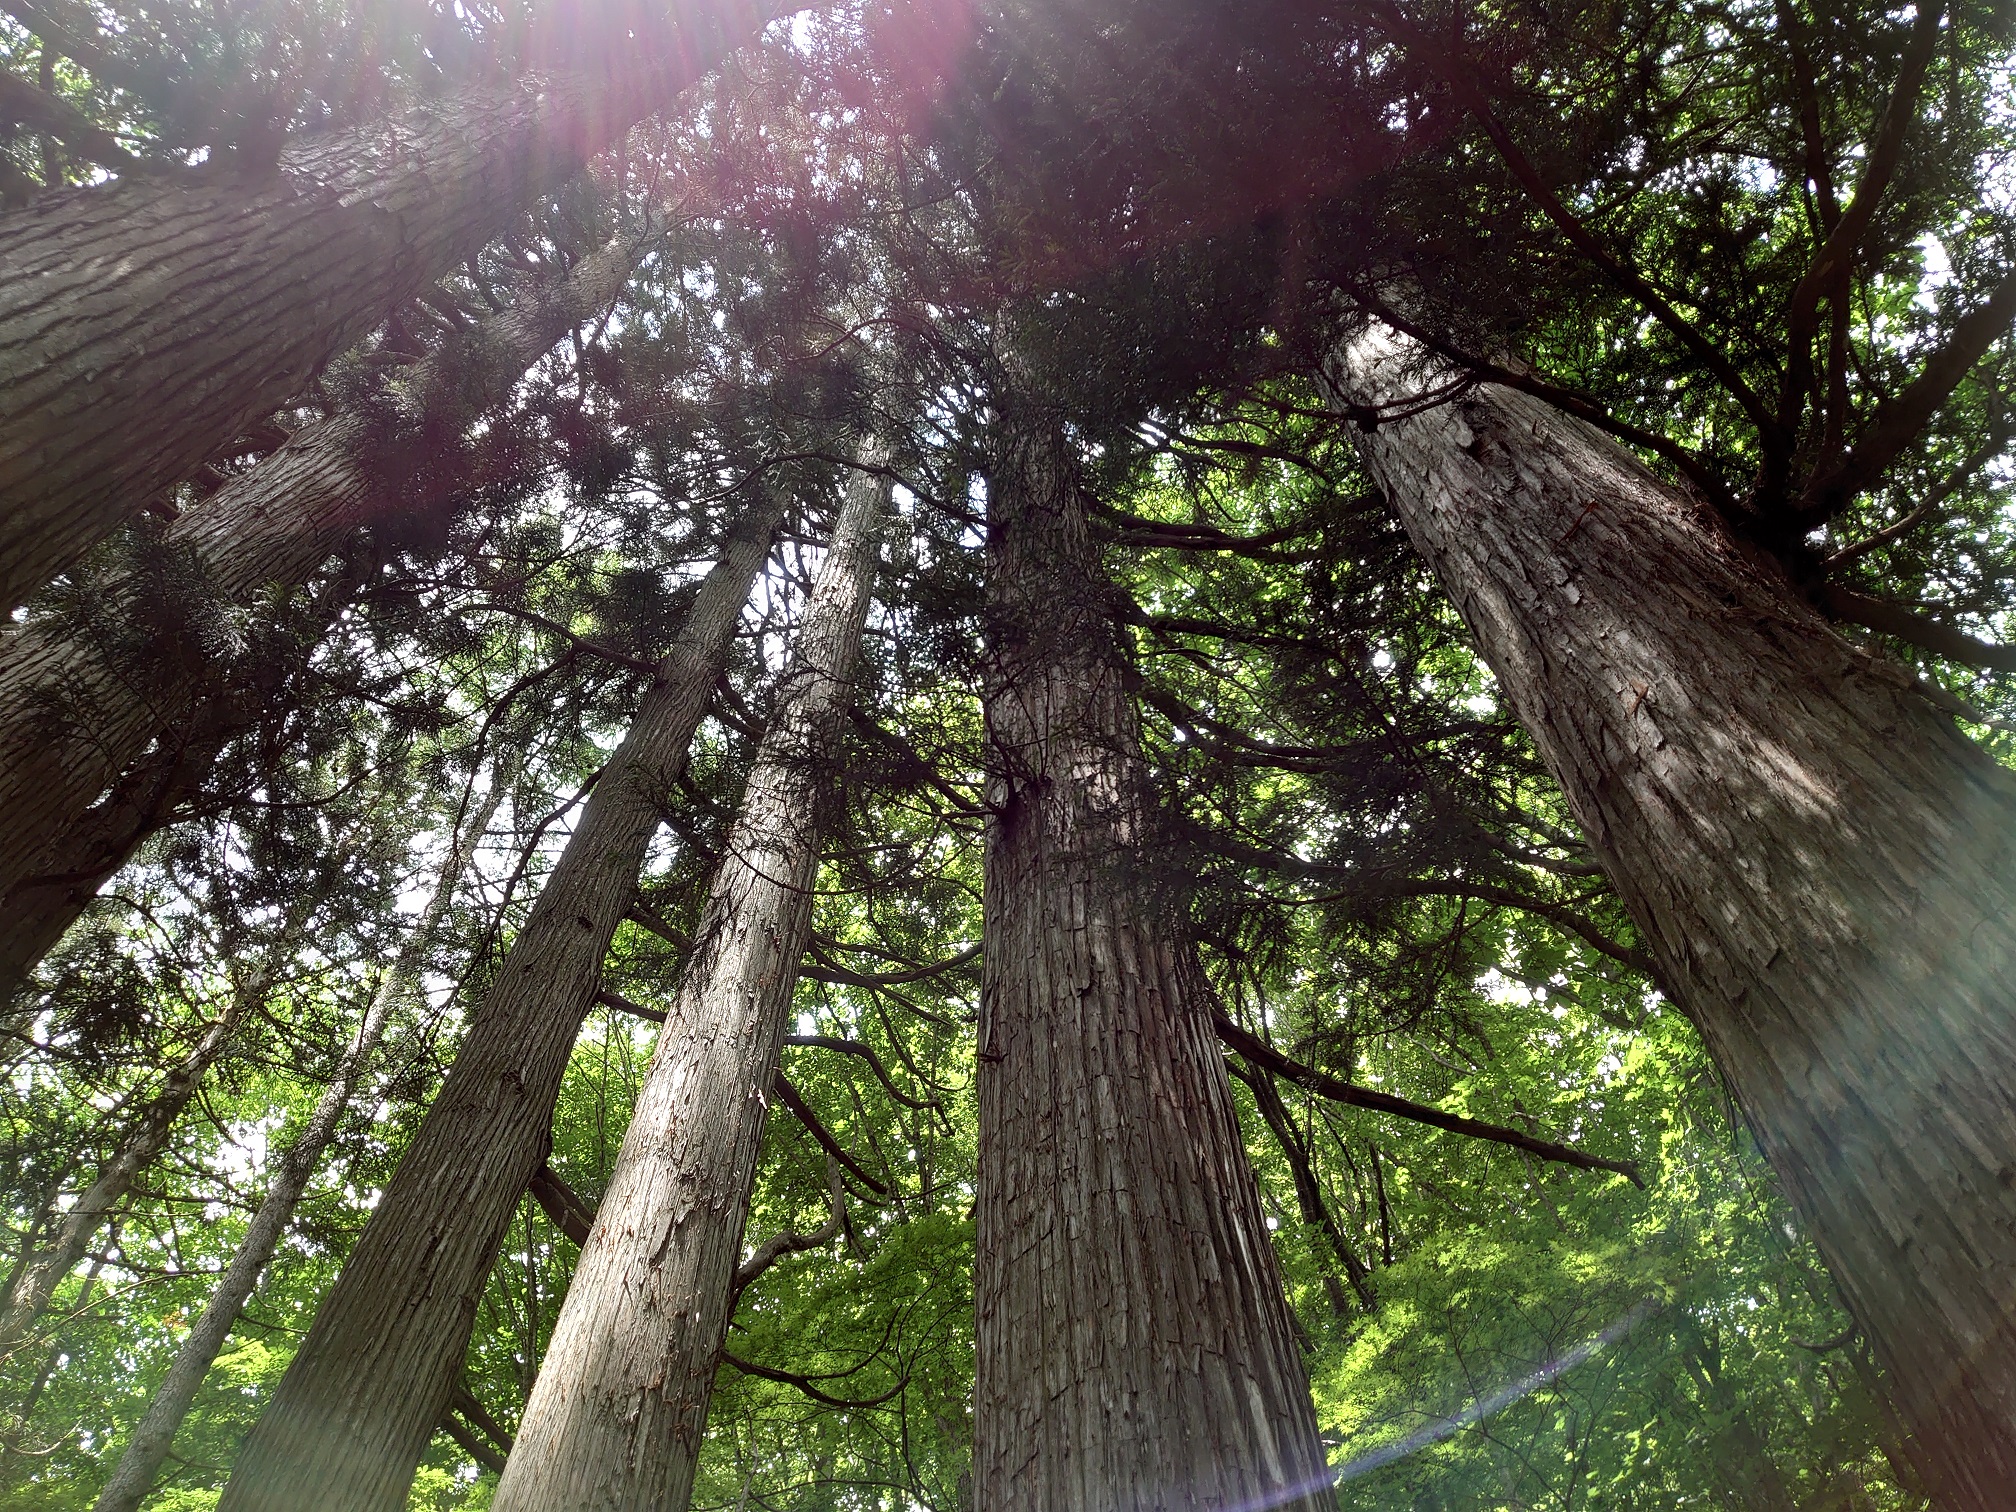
{"x":475,"y":1447}
{"x":788,"y":1095}
{"x":1980,"y":457}
{"x":862,"y":1052}
{"x":22,"y":104}
{"x":622,"y":1004}
{"x":1830,"y":266}
{"x":804,"y":1383}
{"x":1915,"y":630}
{"x":1899,"y":420}
{"x":1461,"y":79}
{"x":1322,"y":1083}
{"x":777,"y":1246}
{"x":1308,"y":1190}
{"x":565,"y":1208}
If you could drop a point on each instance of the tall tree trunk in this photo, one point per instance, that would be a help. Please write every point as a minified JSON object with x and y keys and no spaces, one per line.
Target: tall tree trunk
{"x":616,"y":1419}
{"x":76,"y":709}
{"x":147,"y":322}
{"x":1820,"y":861}
{"x":1134,"y":1346}
{"x":140,"y":1462}
{"x":354,"y":1411}
{"x":83,"y":856}
{"x":35,"y":1282}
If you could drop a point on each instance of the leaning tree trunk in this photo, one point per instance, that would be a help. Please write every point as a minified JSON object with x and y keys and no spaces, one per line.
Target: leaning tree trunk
{"x":616,"y":1419}
{"x":36,"y":1280}
{"x":77,"y":708}
{"x":354,"y":1411}
{"x":1824,"y":867}
{"x":67,"y":873}
{"x":147,"y":322}
{"x":1134,"y":1347}
{"x":140,"y":1462}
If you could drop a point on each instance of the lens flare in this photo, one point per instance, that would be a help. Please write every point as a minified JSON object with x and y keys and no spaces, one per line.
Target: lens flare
{"x":1497,"y":1401}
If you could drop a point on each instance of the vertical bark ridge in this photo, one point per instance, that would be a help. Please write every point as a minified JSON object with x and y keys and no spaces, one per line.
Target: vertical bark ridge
{"x":145,"y":322}
{"x":1820,"y":861}
{"x":77,"y":709}
{"x":133,"y":1477}
{"x":354,"y":1411}
{"x":615,"y":1421}
{"x":1134,"y":1346}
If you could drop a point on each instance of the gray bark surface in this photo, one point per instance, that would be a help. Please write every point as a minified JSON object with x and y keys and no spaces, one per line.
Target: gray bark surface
{"x":615,"y":1421}
{"x":352,"y":1415}
{"x":146,"y":322}
{"x":77,"y":710}
{"x":1820,"y":861}
{"x":133,"y":1477}
{"x":1135,"y":1350}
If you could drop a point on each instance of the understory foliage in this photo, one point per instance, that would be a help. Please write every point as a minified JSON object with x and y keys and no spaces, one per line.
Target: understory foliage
{"x":1383,"y":879}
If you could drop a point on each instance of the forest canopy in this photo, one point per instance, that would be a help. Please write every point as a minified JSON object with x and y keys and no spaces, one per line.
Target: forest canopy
{"x":983,"y":754}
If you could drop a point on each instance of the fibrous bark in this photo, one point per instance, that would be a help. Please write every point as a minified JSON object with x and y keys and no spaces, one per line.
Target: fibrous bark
{"x":133,"y":1477}
{"x":1134,"y":1346}
{"x":616,"y":1419}
{"x":354,"y":1411}
{"x":1820,"y":861}
{"x":146,"y":322}
{"x":76,"y":709}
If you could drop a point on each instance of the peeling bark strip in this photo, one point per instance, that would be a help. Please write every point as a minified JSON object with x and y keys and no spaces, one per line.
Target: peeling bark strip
{"x":76,"y":712}
{"x":1821,"y":862}
{"x":141,"y":1460}
{"x":615,"y":1421}
{"x":353,"y":1414}
{"x":144,"y":323}
{"x":1134,"y":1346}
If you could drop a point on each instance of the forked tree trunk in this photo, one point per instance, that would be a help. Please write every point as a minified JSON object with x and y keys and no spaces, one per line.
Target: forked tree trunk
{"x":35,"y":1283}
{"x":617,"y":1417}
{"x":133,"y":1477}
{"x":352,"y":1416}
{"x":147,"y":322}
{"x":1824,"y":867}
{"x":1134,"y":1347}
{"x":76,"y":710}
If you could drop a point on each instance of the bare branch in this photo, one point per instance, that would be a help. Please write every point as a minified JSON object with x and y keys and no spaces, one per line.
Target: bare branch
{"x":862,"y":1052}
{"x":567,"y":1209}
{"x":1263,"y":1054}
{"x":777,"y":1246}
{"x":1899,"y":421}
{"x":788,"y":1095}
{"x":1915,"y":629}
{"x":22,"y":104}
{"x":1828,"y":271}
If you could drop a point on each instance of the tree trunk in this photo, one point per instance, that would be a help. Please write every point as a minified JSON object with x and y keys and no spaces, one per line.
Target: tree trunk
{"x":85,"y":855}
{"x":146,"y":322}
{"x":1819,"y":860}
{"x":35,"y":1283}
{"x":354,"y":1411}
{"x":1134,"y":1346}
{"x":133,"y":1477}
{"x":77,"y":709}
{"x":616,"y":1419}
